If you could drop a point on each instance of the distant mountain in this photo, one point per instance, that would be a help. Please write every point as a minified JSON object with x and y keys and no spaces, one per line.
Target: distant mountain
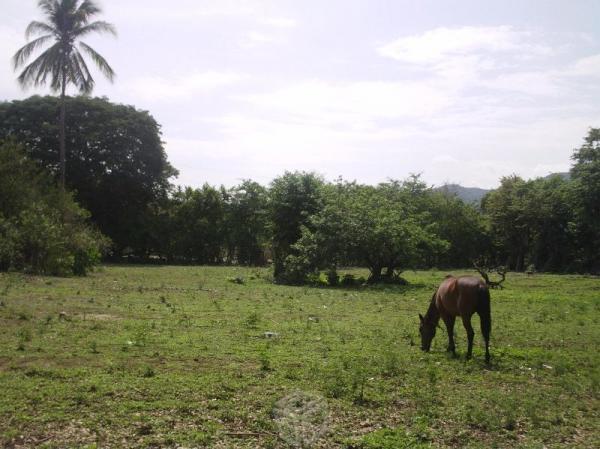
{"x":474,"y":195}
{"x":564,"y":175}
{"x":467,"y":194}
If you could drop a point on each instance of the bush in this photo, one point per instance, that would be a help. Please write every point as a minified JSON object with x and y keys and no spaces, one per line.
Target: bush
{"x":42,"y":229}
{"x":390,"y":439}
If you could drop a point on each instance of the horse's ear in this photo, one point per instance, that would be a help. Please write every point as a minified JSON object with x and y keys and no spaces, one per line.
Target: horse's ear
{"x":421,"y":317}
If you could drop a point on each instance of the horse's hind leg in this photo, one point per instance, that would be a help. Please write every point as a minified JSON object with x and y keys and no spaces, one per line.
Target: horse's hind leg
{"x":470,"y":334}
{"x":449,"y":320}
{"x":485,"y":330}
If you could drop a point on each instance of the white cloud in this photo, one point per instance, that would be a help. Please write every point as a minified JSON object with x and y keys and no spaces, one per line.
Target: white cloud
{"x":255,"y":38}
{"x":10,"y":42}
{"x":588,"y":66}
{"x":547,"y":169}
{"x":279,"y":22}
{"x":440,"y":44}
{"x":185,"y":10}
{"x":354,"y":104}
{"x":178,"y":87}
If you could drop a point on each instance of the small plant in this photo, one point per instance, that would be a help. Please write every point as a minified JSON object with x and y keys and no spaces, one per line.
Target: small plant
{"x":390,"y":439}
{"x":252,"y":320}
{"x":24,"y":335}
{"x":335,"y":382}
{"x":148,"y":372}
{"x":265,"y":361}
{"x":237,"y":280}
{"x":390,"y":362}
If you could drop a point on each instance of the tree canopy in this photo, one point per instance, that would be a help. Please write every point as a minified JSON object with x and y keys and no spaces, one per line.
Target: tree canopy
{"x":118,"y":163}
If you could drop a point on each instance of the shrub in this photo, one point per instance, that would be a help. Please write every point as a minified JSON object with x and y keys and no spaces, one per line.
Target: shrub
{"x":42,"y":229}
{"x":390,"y":439}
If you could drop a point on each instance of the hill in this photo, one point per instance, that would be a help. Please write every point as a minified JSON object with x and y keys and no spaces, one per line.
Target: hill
{"x":467,"y":194}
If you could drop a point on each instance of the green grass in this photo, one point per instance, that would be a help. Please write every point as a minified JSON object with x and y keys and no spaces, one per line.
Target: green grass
{"x":179,"y":356}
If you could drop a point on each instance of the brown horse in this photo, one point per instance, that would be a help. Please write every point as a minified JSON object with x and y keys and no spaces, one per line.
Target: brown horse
{"x":458,"y":296}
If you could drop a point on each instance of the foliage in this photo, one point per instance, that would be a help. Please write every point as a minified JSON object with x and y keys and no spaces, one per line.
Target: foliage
{"x":246,"y":222}
{"x":387,"y":226}
{"x":293,"y":199}
{"x":585,"y":197}
{"x":463,"y":226}
{"x":198,"y":217}
{"x":390,"y":439}
{"x":117,"y":164}
{"x":530,"y":223}
{"x":42,"y":230}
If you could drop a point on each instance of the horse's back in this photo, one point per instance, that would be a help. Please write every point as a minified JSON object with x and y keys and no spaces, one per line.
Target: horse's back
{"x":459,"y":295}
{"x":470,"y":283}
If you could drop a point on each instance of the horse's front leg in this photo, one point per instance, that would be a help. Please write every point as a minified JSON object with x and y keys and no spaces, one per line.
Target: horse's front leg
{"x":449,"y":321}
{"x":470,"y":334}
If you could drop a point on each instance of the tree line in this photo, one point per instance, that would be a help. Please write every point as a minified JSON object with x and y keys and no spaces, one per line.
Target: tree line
{"x":118,"y":175}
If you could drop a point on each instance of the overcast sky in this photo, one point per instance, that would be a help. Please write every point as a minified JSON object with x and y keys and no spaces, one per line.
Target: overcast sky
{"x":460,"y":91}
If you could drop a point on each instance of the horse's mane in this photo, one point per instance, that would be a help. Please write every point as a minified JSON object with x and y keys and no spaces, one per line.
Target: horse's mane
{"x":432,"y":315}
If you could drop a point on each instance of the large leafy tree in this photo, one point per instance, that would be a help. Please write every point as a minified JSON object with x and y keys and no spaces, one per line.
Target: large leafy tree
{"x":62,"y":63}
{"x":293,"y":198}
{"x":246,"y":220}
{"x":511,"y":212}
{"x":117,"y":164}
{"x":198,"y":217}
{"x":586,"y":200}
{"x":384,"y":228}
{"x":531,"y":223}
{"x":463,"y":226}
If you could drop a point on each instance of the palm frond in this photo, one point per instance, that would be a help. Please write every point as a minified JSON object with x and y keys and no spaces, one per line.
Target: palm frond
{"x":104,"y":67}
{"x":82,"y":78}
{"x":26,"y":50}
{"x":48,"y":6}
{"x":37,"y":71}
{"x":99,"y":26}
{"x":36,"y":27}
{"x":86,"y":9}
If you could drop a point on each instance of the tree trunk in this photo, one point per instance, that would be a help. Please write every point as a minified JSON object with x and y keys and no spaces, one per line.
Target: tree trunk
{"x":375,"y":276}
{"x":62,"y":137}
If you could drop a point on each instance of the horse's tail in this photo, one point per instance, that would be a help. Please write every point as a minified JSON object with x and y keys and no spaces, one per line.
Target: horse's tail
{"x":484,"y":311}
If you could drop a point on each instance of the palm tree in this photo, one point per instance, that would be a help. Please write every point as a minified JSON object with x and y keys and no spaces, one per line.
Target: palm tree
{"x":62,"y":63}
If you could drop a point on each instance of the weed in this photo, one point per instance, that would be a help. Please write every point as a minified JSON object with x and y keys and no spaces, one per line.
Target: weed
{"x":24,"y":335}
{"x":252,"y":320}
{"x":148,"y":372}
{"x":265,"y":361}
{"x":389,"y":439}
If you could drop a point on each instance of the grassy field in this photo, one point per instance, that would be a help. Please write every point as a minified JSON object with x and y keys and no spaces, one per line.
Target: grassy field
{"x":184,"y":357}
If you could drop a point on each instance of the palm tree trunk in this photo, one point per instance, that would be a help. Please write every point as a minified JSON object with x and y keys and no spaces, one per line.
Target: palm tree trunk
{"x":62,"y":137}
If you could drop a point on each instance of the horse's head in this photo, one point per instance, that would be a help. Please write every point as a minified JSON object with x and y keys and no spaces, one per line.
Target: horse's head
{"x":427,"y":331}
